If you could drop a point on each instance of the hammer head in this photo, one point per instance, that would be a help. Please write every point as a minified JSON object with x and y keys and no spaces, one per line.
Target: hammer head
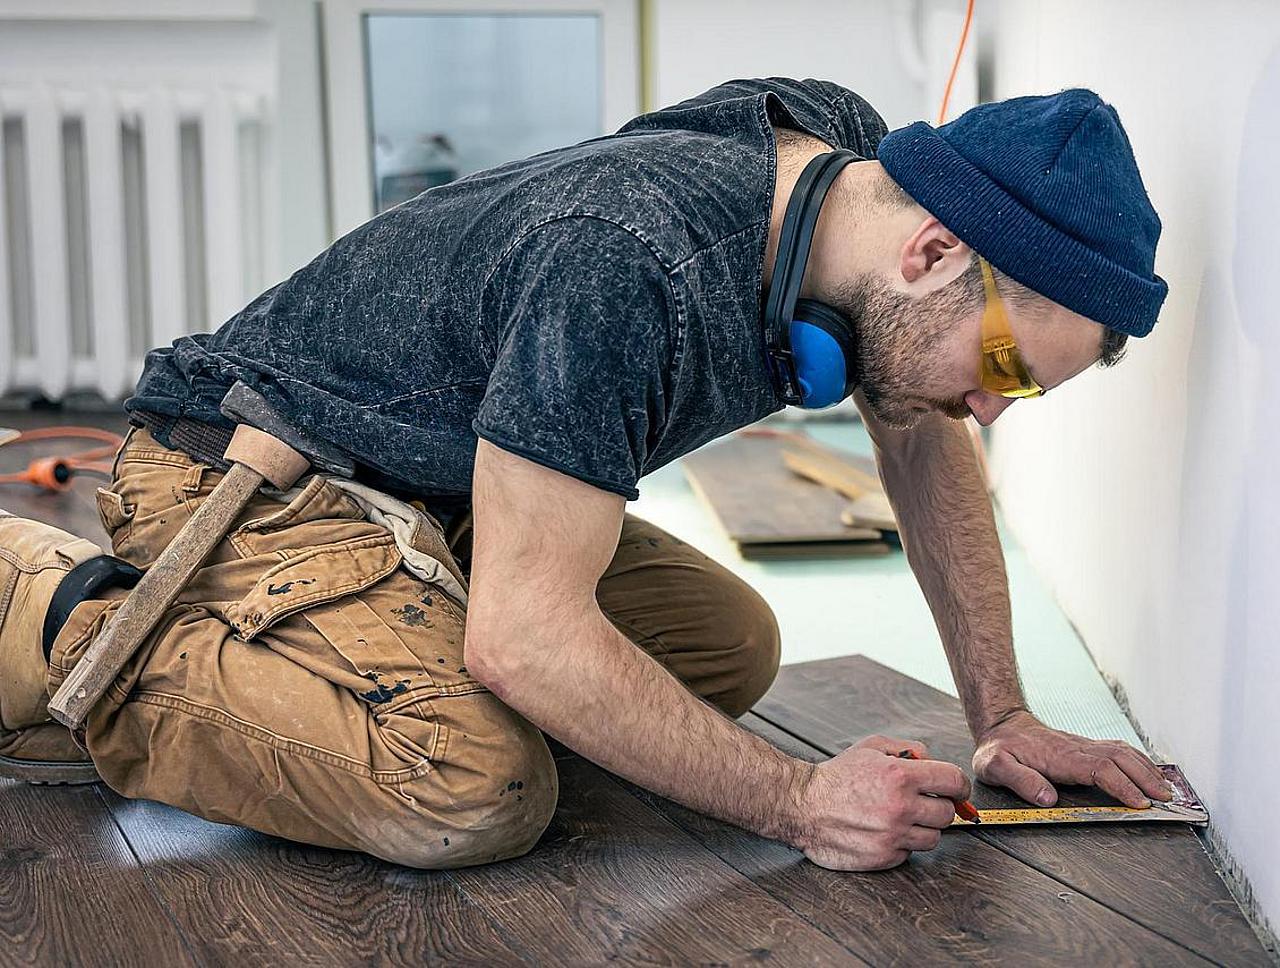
{"x":269,"y":456}
{"x":245,"y":405}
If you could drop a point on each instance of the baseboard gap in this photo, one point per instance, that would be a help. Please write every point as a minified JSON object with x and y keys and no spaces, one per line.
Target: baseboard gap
{"x":1215,"y":845}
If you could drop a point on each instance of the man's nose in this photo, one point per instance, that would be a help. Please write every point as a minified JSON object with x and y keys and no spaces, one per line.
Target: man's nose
{"x":987,"y":406}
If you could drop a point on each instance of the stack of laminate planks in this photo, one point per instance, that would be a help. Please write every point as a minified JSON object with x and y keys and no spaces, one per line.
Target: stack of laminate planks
{"x":784,"y":495}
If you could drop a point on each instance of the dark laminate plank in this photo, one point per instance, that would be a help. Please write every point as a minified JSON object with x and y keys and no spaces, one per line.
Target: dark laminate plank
{"x":610,"y":880}
{"x":244,"y":898}
{"x":613,"y":880}
{"x":1157,"y":875}
{"x":71,"y":892}
{"x":836,"y":702}
{"x":757,"y":499}
{"x":964,"y":903}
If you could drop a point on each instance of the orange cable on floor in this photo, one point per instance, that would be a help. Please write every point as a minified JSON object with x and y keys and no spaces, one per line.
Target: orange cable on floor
{"x":55,"y":474}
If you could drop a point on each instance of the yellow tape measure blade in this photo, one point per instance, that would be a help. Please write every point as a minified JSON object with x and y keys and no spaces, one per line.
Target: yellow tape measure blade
{"x":1047,"y":815}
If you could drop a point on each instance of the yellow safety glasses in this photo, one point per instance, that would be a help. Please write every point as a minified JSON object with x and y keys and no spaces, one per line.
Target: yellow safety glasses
{"x":1003,"y":371}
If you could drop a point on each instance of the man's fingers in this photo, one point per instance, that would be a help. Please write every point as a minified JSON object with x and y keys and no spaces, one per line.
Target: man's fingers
{"x":1108,"y":777}
{"x":891,"y":746}
{"x":1004,"y":770}
{"x":921,"y":838}
{"x":935,"y":812}
{"x":1139,"y":768}
{"x":942,"y":779}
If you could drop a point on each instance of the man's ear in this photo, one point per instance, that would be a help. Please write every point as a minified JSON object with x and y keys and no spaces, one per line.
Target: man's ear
{"x":933,"y":254}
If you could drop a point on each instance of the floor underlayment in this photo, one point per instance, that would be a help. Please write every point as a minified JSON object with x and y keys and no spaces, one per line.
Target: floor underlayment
{"x":873,"y":606}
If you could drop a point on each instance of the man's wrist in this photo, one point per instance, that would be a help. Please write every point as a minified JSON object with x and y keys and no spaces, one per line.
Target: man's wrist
{"x":995,"y":716}
{"x":789,"y":820}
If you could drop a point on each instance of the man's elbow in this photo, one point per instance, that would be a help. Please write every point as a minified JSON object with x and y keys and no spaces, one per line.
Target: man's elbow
{"x":496,"y":659}
{"x":483,"y":655}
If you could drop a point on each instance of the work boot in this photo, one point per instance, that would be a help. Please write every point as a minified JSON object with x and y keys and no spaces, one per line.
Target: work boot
{"x":34,"y":559}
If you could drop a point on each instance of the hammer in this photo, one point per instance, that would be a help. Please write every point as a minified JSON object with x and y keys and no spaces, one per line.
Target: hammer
{"x":255,"y":456}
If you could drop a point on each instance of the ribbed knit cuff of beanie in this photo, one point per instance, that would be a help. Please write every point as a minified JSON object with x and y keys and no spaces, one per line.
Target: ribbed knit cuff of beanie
{"x":1047,"y":190}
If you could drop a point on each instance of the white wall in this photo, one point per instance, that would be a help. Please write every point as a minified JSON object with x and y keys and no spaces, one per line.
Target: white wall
{"x":1147,"y":495}
{"x":869,"y":46}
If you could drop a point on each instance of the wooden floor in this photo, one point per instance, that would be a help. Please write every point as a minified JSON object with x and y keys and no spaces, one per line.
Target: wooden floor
{"x":88,"y":878}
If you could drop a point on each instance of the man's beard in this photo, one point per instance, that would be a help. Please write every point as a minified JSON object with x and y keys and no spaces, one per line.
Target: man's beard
{"x":898,"y":340}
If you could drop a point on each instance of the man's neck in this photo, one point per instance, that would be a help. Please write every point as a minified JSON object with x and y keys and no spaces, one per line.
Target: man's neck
{"x":823,"y":272}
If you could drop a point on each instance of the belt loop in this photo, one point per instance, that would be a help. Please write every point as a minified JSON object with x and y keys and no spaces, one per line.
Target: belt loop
{"x":193,"y":478}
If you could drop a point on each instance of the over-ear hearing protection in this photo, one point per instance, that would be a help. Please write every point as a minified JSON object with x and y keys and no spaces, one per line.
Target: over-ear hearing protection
{"x":811,"y":346}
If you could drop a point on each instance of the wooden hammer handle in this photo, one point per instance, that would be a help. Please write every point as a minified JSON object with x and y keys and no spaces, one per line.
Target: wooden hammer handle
{"x":159,"y":588}
{"x":254,"y":456}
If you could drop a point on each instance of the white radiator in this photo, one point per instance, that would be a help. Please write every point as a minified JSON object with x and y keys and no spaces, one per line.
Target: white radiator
{"x":134,"y":160}
{"x":129,"y":219}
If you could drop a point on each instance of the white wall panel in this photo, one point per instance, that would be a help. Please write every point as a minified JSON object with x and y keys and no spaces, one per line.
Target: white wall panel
{"x":895,"y":53}
{"x":1146,"y":494}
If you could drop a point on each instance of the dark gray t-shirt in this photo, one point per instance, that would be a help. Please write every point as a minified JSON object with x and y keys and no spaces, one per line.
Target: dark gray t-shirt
{"x":595,"y":309}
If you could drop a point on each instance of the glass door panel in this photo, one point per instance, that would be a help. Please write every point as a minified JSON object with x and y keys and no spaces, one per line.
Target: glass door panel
{"x":450,"y":94}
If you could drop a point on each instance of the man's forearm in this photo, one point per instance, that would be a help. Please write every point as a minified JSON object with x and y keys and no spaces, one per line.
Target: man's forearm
{"x":949,"y":534}
{"x":596,"y":692}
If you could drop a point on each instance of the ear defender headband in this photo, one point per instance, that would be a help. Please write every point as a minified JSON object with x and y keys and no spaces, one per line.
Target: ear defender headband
{"x":811,"y":346}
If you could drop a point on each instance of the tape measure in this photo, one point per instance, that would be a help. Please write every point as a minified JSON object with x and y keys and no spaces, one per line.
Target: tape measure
{"x":1157,"y":812}
{"x":1185,"y":807}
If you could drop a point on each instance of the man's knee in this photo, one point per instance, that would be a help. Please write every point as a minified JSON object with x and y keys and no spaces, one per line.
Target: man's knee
{"x":524,"y":787}
{"x":501,"y":794}
{"x":754,"y":652}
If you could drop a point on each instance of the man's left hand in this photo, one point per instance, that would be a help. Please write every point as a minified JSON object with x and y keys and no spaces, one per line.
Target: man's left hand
{"x":1023,"y":754}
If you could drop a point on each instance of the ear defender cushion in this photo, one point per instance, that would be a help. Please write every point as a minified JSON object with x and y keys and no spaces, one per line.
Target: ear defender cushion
{"x":823,"y":345}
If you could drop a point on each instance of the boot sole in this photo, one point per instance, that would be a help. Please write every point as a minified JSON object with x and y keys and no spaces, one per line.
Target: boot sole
{"x":47,"y":772}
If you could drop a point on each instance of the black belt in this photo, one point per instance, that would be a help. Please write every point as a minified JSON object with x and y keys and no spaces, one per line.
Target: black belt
{"x":83,"y":582}
{"x":204,"y":443}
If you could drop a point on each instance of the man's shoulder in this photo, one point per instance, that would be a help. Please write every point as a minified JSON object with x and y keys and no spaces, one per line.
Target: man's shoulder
{"x":821,"y":108}
{"x":676,"y":191}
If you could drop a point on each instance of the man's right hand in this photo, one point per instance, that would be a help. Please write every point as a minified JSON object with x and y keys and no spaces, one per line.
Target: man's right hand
{"x":867,"y":809}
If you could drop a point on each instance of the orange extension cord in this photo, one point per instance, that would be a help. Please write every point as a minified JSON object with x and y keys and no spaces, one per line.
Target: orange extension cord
{"x":53,"y":474}
{"x":975,"y":433}
{"x":955,"y":64}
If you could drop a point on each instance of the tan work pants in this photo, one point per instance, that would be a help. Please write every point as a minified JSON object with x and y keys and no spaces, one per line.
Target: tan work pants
{"x":306,"y":686}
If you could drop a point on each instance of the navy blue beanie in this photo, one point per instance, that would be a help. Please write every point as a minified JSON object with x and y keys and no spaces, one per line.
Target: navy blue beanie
{"x":1047,"y":190}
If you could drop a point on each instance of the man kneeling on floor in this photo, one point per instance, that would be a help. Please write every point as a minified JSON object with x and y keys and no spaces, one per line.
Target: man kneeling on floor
{"x":513,"y":351}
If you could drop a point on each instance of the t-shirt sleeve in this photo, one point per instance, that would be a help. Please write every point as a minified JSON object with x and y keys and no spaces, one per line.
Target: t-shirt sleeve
{"x":581,"y":315}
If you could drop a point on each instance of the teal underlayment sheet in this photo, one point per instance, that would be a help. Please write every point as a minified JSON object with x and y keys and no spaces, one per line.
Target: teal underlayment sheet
{"x":873,"y":606}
